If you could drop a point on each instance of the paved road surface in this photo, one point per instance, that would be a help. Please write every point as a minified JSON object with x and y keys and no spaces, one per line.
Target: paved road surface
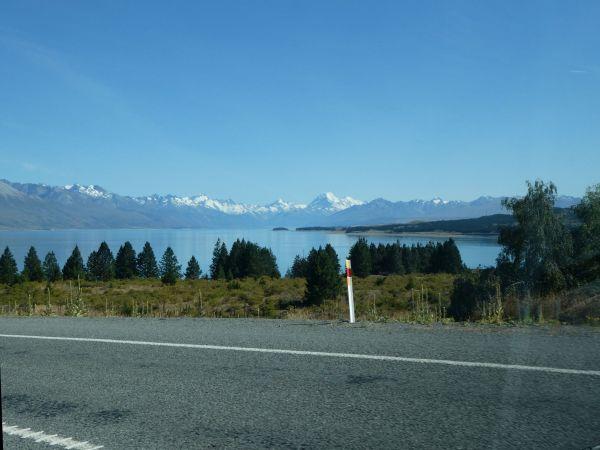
{"x":125,"y":395}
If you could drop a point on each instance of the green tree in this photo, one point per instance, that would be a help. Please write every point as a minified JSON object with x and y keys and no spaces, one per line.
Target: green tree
{"x":101,"y":264}
{"x":587,"y":267}
{"x":360,"y":257}
{"x":446,"y":258}
{"x":377,"y":258}
{"x":74,"y":268}
{"x":322,"y":279}
{"x":537,"y":251}
{"x":423,"y":256}
{"x":452,"y":260}
{"x":247,"y":259}
{"x":32,"y":266}
{"x":299,"y":268}
{"x":126,"y":262}
{"x":393,"y":259}
{"x":51,"y":268}
{"x":170,"y":269}
{"x":9,"y":273}
{"x":238,"y":260}
{"x":146,"y":262}
{"x":335,"y":259}
{"x":219,"y":263}
{"x":193,"y":272}
{"x":408,"y":261}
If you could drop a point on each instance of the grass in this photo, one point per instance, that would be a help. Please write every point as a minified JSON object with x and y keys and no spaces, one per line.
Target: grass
{"x":415,"y":298}
{"x":377,"y":298}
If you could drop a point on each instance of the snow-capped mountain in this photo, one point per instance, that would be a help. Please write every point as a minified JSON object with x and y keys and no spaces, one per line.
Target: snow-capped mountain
{"x":330,"y":203}
{"x":280,"y":205}
{"x":224,"y":206}
{"x":29,"y":205}
{"x":381,"y":211}
{"x":326,"y":202}
{"x":39,"y":206}
{"x":91,"y":190}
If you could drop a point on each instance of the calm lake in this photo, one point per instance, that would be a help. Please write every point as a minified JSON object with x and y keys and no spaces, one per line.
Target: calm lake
{"x":475,"y":250}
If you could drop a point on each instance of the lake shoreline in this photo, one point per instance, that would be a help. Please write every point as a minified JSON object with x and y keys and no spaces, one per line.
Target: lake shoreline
{"x":435,"y":234}
{"x":475,"y":250}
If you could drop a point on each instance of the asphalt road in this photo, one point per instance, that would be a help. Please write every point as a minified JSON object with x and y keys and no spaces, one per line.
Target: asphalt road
{"x":137,"y":396}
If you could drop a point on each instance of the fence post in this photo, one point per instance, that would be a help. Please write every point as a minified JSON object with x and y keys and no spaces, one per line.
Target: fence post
{"x":350,"y":291}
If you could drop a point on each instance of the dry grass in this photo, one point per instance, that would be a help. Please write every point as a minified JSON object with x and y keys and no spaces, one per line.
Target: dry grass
{"x":406,"y":298}
{"x":420,"y":298}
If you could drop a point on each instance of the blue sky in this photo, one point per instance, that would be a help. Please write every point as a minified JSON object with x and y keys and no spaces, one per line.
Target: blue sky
{"x":259,"y":99}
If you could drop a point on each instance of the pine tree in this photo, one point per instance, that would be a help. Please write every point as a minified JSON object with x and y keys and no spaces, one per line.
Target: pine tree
{"x":335,"y":259}
{"x":73,"y":268}
{"x":247,"y":259}
{"x":436,"y":262}
{"x":408,"y":259}
{"x":146,"y":262}
{"x":393,"y":259}
{"x":126,"y":263}
{"x":32,"y":266}
{"x":51,"y":268}
{"x":218,"y":267}
{"x":360,"y":256}
{"x":9,"y":273}
{"x":376,"y":258}
{"x":193,"y":271}
{"x":170,"y":269}
{"x":452,"y":262}
{"x":322,"y":278}
{"x":101,"y":264}
{"x":91,"y":266}
{"x":237,"y":260}
{"x":268,"y":264}
{"x":425,"y":255}
{"x":299,"y":268}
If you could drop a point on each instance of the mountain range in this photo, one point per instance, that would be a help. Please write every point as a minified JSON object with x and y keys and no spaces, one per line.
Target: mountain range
{"x":39,"y":206}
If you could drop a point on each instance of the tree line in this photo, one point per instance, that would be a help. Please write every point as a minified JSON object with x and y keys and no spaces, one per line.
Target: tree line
{"x":541,"y":255}
{"x":392,"y":259}
{"x":321,"y":268}
{"x":245,"y":259}
{"x":101,"y":266}
{"x":402,"y":259}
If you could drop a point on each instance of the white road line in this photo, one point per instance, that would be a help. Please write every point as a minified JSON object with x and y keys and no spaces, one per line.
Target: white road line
{"x":311,"y":353}
{"x":50,"y":439}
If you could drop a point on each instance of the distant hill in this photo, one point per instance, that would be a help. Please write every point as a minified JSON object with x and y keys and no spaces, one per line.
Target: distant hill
{"x":380,"y":211}
{"x":39,"y":206}
{"x":481,"y":225}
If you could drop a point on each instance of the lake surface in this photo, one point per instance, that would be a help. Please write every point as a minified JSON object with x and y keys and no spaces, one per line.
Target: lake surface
{"x":475,"y":250}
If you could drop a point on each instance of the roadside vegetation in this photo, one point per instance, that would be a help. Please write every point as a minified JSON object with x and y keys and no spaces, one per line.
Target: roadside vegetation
{"x":547,"y":271}
{"x":397,"y":297}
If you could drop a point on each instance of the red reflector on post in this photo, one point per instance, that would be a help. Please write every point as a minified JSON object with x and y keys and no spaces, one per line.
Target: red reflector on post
{"x":350,"y":292}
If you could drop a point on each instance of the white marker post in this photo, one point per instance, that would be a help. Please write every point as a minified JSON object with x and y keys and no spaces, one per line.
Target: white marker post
{"x":350,"y":292}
